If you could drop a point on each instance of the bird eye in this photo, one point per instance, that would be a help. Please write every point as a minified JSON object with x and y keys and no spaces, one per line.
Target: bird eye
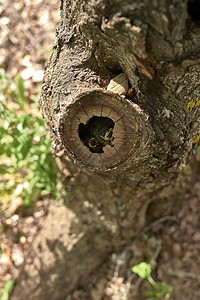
{"x":93,"y":143}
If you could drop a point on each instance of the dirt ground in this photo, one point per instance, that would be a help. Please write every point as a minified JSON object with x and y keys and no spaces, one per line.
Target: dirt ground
{"x":171,"y":243}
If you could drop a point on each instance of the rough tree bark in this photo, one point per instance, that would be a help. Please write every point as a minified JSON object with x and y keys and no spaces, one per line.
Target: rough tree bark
{"x":156,"y":130}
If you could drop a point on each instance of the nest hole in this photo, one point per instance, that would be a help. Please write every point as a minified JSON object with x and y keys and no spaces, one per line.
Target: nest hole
{"x":97,"y":133}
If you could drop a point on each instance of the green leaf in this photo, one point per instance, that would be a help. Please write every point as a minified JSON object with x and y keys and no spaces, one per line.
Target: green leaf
{"x":3,"y":171}
{"x":9,"y":285}
{"x":20,"y":90}
{"x":149,"y":293}
{"x":170,"y":289}
{"x":143,"y":270}
{"x":26,"y":147}
{"x":163,"y":288}
{"x":7,"y":289}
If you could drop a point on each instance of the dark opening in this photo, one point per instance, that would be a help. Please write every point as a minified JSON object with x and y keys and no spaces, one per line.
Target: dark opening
{"x":97,"y":133}
{"x":194,"y":9}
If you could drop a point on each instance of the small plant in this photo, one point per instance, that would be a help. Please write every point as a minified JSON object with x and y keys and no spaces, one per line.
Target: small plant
{"x":157,"y":290}
{"x":7,"y":289}
{"x":27,"y":167}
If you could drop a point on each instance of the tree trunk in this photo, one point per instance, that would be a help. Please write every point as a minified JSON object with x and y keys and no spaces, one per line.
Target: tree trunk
{"x":154,"y":129}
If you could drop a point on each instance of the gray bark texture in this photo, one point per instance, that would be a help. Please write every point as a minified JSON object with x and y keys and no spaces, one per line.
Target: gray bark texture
{"x":156,"y":44}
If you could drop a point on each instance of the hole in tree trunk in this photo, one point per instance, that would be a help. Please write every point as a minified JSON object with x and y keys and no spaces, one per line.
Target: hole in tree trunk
{"x":101,"y":130}
{"x":194,"y":9}
{"x":97,"y":133}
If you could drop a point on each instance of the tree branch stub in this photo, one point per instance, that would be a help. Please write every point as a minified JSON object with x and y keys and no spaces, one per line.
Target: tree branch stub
{"x":118,"y":142}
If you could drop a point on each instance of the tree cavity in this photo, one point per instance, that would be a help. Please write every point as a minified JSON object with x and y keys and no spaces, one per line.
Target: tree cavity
{"x":97,"y":133}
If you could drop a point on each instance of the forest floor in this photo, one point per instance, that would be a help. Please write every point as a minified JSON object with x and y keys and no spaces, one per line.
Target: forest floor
{"x":171,"y":243}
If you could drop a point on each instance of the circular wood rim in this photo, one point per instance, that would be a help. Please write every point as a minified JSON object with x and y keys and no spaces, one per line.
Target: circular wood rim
{"x":127,"y":131}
